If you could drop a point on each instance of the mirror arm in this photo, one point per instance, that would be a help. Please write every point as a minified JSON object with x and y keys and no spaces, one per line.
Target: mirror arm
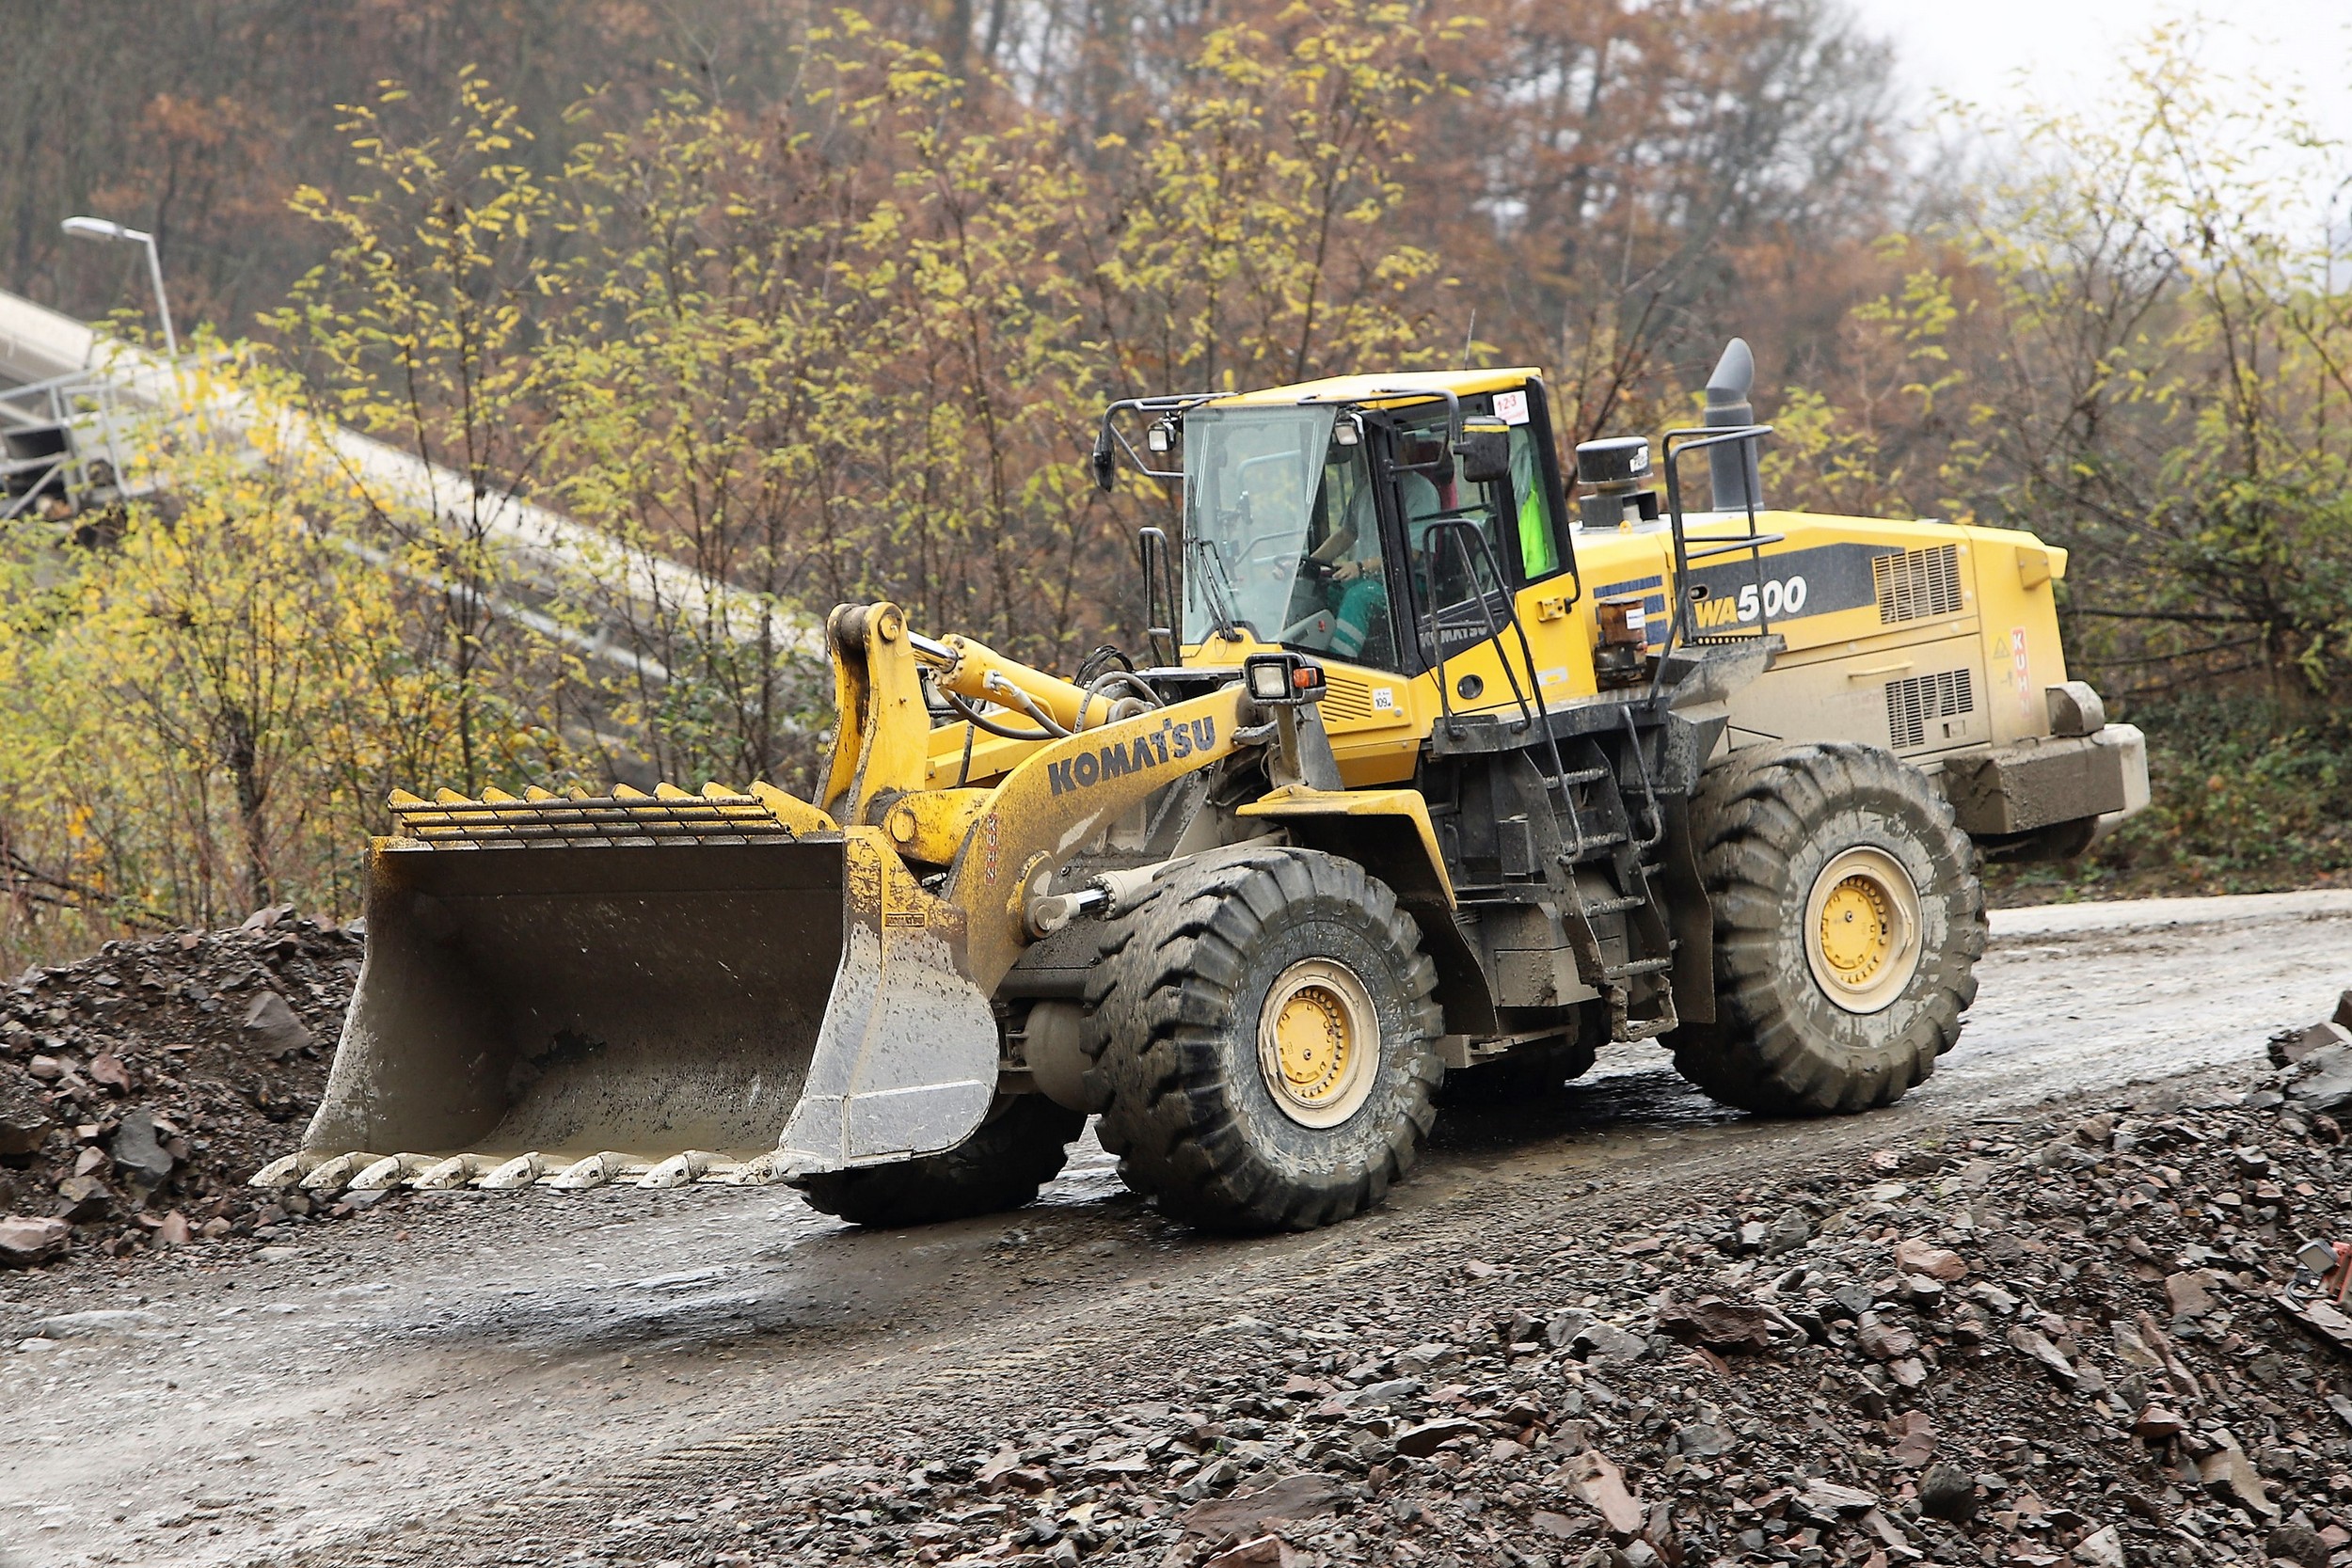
{"x":1109,"y":438}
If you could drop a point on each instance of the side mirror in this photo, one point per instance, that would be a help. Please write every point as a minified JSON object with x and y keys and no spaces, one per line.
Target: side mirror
{"x":1105,"y":467}
{"x":1484,"y":450}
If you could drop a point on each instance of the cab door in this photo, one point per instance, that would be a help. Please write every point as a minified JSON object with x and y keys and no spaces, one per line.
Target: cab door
{"x":1477,"y":555}
{"x":1367,"y":709}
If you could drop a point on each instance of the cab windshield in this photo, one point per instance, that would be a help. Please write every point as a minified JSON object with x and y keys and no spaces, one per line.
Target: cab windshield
{"x":1271,"y":501}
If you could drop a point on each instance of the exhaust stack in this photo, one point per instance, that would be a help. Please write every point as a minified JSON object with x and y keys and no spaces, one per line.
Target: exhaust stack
{"x":1732,"y":466}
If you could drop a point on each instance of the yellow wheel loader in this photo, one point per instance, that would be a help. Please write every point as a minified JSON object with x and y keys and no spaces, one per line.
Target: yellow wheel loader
{"x":1428,"y":771}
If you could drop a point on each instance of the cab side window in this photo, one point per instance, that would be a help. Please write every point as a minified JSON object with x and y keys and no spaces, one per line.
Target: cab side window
{"x":1455,"y":580}
{"x":1520,"y":527}
{"x":1536,"y":529}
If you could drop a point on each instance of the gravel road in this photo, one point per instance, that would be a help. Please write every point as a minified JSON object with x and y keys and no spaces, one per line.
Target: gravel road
{"x":481,"y":1379}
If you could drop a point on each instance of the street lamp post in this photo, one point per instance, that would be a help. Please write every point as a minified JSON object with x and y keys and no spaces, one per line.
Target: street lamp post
{"x":102,"y":229}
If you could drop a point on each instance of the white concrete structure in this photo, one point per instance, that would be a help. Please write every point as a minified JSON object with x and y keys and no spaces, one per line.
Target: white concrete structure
{"x":61,"y":370}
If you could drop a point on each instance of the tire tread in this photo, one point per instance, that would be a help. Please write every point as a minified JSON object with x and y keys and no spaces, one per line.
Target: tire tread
{"x":1751,"y":814}
{"x":1162,"y":998}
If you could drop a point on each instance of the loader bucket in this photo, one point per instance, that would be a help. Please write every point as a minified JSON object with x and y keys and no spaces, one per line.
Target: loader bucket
{"x":670,"y":1008}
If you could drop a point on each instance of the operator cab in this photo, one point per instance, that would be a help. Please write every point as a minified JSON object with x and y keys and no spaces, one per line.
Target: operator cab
{"x":1381,"y":523}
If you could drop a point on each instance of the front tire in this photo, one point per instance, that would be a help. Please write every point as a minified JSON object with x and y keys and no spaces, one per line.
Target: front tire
{"x":1848,"y":922}
{"x":1019,"y":1148}
{"x":1261,"y":1034}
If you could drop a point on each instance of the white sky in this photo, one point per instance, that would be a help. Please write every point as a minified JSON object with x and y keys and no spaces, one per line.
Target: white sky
{"x":1973,"y":48}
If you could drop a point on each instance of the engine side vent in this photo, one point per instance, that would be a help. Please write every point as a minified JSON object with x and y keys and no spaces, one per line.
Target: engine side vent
{"x":1918,"y":584}
{"x":1913,"y":703}
{"x":1345,"y":700}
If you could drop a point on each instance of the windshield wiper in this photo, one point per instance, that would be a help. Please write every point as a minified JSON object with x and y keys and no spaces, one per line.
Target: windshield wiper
{"x":1218,"y":584}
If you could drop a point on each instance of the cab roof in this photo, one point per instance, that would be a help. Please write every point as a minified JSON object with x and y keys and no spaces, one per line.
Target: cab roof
{"x":1380,"y":389}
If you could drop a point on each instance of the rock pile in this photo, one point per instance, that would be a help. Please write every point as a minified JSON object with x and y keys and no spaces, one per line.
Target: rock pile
{"x":140,"y":1087}
{"x":2101,"y":1340}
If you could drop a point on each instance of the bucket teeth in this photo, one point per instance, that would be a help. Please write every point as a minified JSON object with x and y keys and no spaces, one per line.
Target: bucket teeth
{"x":521,"y":1171}
{"x":765,"y":1171}
{"x":679,"y":1169}
{"x":596,"y":1171}
{"x":358,"y":1171}
{"x":455,"y":1171}
{"x":330,"y":1175}
{"x":286,"y":1171}
{"x":391,"y":1172}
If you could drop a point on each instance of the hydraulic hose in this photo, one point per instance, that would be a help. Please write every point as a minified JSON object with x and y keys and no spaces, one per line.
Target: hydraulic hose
{"x":1137,"y":691}
{"x":980,"y":720}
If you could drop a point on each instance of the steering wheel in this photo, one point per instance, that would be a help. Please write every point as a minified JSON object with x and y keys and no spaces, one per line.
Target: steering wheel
{"x":1250,"y":546}
{"x":1264,"y":556}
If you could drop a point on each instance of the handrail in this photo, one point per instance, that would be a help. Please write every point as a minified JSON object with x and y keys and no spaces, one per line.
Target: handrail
{"x":1726,"y":547}
{"x":1538,"y":714}
{"x":1151,"y":545}
{"x":1680,"y":444}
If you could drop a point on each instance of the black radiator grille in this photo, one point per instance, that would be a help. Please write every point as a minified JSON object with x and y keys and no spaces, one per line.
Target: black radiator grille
{"x":1918,"y":584}
{"x":1913,"y":703}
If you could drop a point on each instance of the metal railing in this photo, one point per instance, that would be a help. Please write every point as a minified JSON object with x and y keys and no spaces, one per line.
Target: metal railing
{"x":1682,"y":618}
{"x":63,"y":441}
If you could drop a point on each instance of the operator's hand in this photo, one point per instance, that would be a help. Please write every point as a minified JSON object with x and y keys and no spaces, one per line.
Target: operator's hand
{"x":1348,"y":571}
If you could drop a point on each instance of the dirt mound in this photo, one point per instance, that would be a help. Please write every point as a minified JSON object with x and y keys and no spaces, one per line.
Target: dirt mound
{"x":140,"y":1088}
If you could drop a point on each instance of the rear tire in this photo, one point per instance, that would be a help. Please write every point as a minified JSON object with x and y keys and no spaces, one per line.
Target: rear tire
{"x":1848,"y":922}
{"x":1261,"y":1034}
{"x":1016,"y":1151}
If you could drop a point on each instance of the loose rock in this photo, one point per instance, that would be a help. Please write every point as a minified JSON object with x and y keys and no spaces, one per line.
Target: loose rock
{"x":138,"y":1150}
{"x":274,"y":1026}
{"x":26,"y":1241}
{"x":131,"y":1088}
{"x":1717,"y":1323}
{"x":25,"y":1118}
{"x":1948,"y":1492}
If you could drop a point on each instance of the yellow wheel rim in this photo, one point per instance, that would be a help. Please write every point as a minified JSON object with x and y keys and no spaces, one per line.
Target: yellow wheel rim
{"x":1313,"y":1042}
{"x":1318,"y":1042}
{"x":1857,"y":933}
{"x":1862,"y":930}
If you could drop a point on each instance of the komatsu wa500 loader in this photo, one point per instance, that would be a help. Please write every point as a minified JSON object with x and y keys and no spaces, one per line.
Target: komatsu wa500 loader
{"x":1429,"y":770}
